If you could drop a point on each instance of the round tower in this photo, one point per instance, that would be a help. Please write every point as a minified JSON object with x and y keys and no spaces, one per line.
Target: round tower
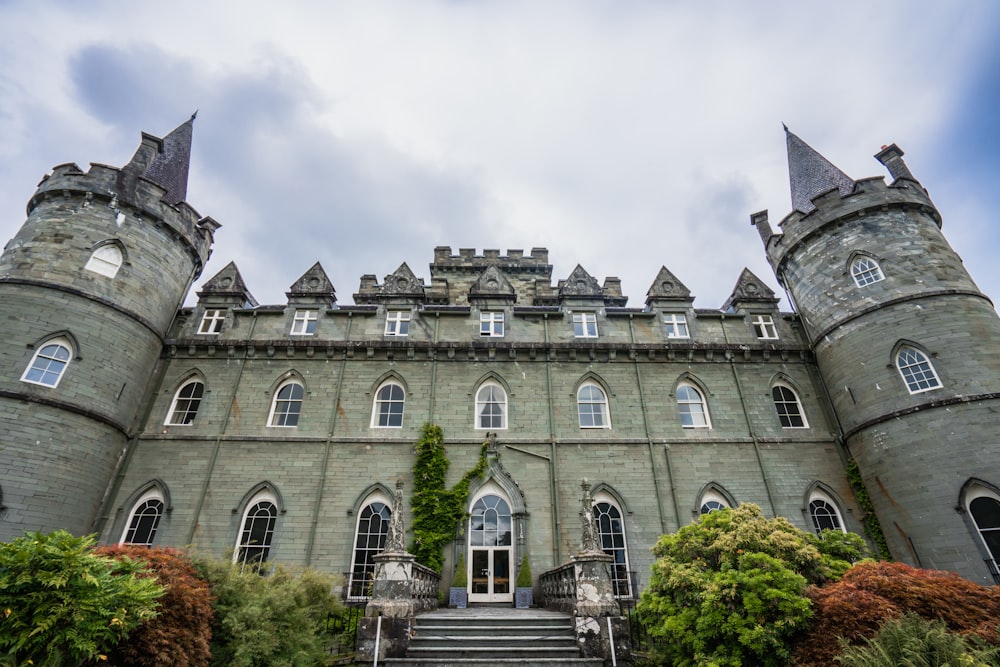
{"x":909,"y":350}
{"x":88,"y":288}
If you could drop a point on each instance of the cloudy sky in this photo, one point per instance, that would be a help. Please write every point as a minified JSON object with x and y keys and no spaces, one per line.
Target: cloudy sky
{"x":620,"y":134}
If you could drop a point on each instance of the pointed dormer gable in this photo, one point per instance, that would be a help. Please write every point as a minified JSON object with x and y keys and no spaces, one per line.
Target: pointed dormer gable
{"x":400,"y":285}
{"x":313,"y":287}
{"x":810,"y":174}
{"x":227,"y":288}
{"x":165,"y":161}
{"x":492,"y":284}
{"x":580,"y":284}
{"x":750,"y":291}
{"x":666,"y":288}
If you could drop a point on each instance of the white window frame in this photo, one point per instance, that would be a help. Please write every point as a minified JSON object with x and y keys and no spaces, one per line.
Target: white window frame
{"x":211,"y":322}
{"x":866,"y":271}
{"x":491,"y":324}
{"x":388,"y":401}
{"x":685,"y":402}
{"x":186,"y":402}
{"x":621,"y":580}
{"x":242,"y":545}
{"x":799,"y":413}
{"x":366,"y":550}
{"x":976,"y":492}
{"x":585,"y":325}
{"x":55,"y":353}
{"x":286,"y":403}
{"x":916,"y":370}
{"x":712,"y":501}
{"x":397,"y":323}
{"x":304,"y":322}
{"x":499,"y":397}
{"x":602,"y":406}
{"x":106,"y":260}
{"x":764,"y":327}
{"x":138,"y":511}
{"x":676,"y":325}
{"x":821,"y":501}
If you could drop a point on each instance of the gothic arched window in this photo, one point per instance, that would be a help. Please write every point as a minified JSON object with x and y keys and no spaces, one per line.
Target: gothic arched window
{"x":985,"y":511}
{"x":387,"y":411}
{"x":287,"y":405}
{"x":690,"y":402}
{"x":144,"y":519}
{"x":49,"y":363}
{"x":824,"y":513}
{"x":916,"y":369}
{"x":106,"y":260}
{"x":592,"y":406}
{"x":187,"y":400}
{"x":865,"y":271}
{"x":491,"y":407}
{"x":369,"y":541}
{"x":789,"y":408}
{"x":253,"y":545}
{"x":611,"y":533}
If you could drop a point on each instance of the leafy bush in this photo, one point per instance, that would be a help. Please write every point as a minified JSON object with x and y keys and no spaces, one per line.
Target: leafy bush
{"x":272,"y":619}
{"x":914,"y":642}
{"x":63,"y":604}
{"x":729,"y":590}
{"x":179,"y":635}
{"x":873,"y":592}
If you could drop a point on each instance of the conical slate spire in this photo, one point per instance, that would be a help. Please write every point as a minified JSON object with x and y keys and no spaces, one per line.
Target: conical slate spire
{"x":810,"y":174}
{"x":170,"y":166}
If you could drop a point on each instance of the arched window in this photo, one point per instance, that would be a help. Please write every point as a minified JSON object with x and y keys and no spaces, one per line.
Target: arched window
{"x":712,"y":501}
{"x":106,"y":260}
{"x":611,"y":533}
{"x":592,"y":405}
{"x":916,"y":369}
{"x":824,"y":513}
{"x":257,"y":531}
{"x":144,"y":519}
{"x":186,"y":402}
{"x":369,"y":541}
{"x":694,"y":412}
{"x":865,"y":271}
{"x":49,"y":363}
{"x":287,"y":405}
{"x":491,"y":407}
{"x":786,"y":402}
{"x":388,"y":409}
{"x":984,"y":506}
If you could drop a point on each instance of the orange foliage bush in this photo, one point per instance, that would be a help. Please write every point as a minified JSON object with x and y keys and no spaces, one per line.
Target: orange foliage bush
{"x":180,"y":634}
{"x":870,"y":593}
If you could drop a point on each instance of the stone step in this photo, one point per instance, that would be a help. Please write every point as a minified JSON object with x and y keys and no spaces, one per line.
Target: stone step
{"x":487,"y":662}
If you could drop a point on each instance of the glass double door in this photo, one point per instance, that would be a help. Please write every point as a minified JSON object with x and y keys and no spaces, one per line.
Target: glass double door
{"x":490,"y":550}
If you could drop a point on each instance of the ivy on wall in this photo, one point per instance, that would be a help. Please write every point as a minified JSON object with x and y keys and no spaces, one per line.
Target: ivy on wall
{"x":437,"y":509}
{"x":873,"y":529}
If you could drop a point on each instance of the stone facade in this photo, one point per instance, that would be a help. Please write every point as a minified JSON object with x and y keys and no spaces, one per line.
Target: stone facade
{"x":309,"y":411}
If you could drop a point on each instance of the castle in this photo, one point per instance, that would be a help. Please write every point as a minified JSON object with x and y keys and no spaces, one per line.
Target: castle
{"x":276,"y":432}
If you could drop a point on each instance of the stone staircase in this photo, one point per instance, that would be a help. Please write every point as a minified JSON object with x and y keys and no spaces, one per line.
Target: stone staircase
{"x":493,"y":636}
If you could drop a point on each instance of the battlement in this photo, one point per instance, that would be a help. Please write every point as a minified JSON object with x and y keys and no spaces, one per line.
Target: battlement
{"x":468,"y":260}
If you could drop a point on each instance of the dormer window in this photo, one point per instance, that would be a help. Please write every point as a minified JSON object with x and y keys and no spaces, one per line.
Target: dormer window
{"x":304,"y":323}
{"x":763,"y":327}
{"x":491,"y":324}
{"x":676,"y":325}
{"x":211,"y":322}
{"x":397,"y":323}
{"x":585,"y":325}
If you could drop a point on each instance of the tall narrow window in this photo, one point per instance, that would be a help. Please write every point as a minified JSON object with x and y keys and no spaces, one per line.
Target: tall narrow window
{"x":369,"y":541}
{"x":254,"y":544}
{"x":916,"y":369}
{"x":106,"y":260}
{"x":866,"y":271}
{"x":611,"y":532}
{"x":49,"y":363}
{"x":491,"y":407}
{"x":304,"y":322}
{"x":397,"y":323}
{"x":491,"y":324}
{"x":763,"y":327}
{"x":287,"y":405}
{"x":592,"y":406}
{"x":585,"y":325}
{"x":985,"y":511}
{"x":786,"y":402}
{"x":388,"y":409}
{"x":211,"y":322}
{"x":184,"y":407}
{"x":694,"y":413}
{"x":676,"y":325}
{"x":824,"y":515}
{"x":144,"y":519}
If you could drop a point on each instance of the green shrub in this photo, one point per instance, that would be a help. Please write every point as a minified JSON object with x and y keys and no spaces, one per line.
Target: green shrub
{"x":180,"y":633}
{"x":524,"y":573}
{"x":729,"y":589}
{"x":63,"y":604}
{"x":914,"y":642}
{"x":461,"y":578}
{"x":273,"y":619}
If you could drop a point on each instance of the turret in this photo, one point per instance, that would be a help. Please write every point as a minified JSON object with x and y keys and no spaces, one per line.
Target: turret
{"x":907,"y":346}
{"x":88,"y":288}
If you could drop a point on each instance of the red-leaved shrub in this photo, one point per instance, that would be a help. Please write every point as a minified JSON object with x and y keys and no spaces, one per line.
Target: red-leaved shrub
{"x":870,"y":593}
{"x":180,"y":634}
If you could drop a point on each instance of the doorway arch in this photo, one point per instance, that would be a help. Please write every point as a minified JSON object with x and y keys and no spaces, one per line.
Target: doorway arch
{"x":490,"y":546}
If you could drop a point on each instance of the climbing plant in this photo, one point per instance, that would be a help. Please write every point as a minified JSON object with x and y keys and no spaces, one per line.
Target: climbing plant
{"x":873,"y":529}
{"x":437,"y":509}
